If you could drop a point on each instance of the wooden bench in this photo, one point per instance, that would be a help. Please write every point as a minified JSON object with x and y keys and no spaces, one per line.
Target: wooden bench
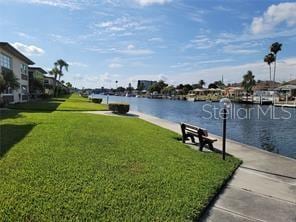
{"x":190,"y":131}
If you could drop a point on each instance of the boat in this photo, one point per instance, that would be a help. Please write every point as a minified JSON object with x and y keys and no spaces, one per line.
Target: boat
{"x":191,"y":99}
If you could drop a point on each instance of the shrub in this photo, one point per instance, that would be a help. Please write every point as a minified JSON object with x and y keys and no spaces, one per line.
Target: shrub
{"x":96,"y":100}
{"x":121,"y":108}
{"x":45,"y":96}
{"x":84,"y":95}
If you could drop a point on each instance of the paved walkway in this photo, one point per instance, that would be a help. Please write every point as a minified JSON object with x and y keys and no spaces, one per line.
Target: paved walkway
{"x":262,"y":189}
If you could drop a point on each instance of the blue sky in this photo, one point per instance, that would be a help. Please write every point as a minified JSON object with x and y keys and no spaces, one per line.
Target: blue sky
{"x":179,"y":41}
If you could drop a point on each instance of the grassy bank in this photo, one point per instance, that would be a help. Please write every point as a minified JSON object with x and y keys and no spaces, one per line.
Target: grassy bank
{"x":74,"y":166}
{"x":67,"y":103}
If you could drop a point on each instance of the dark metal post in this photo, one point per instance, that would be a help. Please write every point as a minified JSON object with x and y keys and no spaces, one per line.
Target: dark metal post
{"x":224,"y":132}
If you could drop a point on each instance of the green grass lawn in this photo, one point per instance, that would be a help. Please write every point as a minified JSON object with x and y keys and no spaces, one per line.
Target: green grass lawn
{"x":74,"y":166}
{"x":73,"y":103}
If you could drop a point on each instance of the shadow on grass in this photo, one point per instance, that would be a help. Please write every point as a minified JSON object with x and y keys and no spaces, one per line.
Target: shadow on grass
{"x":12,"y":134}
{"x":39,"y":105}
{"x":10,"y":114}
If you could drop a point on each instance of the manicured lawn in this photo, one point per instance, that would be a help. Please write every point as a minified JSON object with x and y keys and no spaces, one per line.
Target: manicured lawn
{"x":75,"y":166}
{"x":73,"y":103}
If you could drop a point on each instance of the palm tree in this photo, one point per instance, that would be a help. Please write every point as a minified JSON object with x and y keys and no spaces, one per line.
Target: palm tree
{"x":68,"y":84}
{"x":248,"y":82}
{"x":269,"y":58}
{"x":54,"y":72}
{"x":201,"y":83}
{"x":60,"y":64}
{"x":275,"y":48}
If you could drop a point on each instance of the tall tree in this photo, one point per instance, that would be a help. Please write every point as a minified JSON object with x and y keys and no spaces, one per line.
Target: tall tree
{"x":61,"y":64}
{"x":68,"y":84}
{"x":54,"y":72}
{"x":158,"y":86}
{"x":248,"y":82}
{"x":269,"y":58}
{"x":169,"y":90}
{"x":201,"y":83}
{"x":275,"y":48}
{"x":7,"y":81}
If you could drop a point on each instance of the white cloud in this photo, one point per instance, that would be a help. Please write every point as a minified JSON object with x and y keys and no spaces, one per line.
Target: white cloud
{"x":29,"y":50}
{"x":239,"y":49}
{"x":163,"y":77}
{"x":129,"y":50}
{"x":24,"y":35}
{"x":124,"y":24}
{"x":151,"y":2}
{"x":274,"y":16}
{"x":62,"y":39}
{"x":222,"y":8}
{"x":78,"y":64}
{"x":155,"y":39}
{"x":69,"y":4}
{"x":201,"y":42}
{"x":180,"y":65}
{"x":115,"y":65}
{"x":105,"y":78}
{"x":133,"y":51}
{"x":214,"y":61}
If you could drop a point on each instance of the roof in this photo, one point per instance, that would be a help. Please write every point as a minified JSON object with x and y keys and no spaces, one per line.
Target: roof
{"x":286,"y":87}
{"x":212,"y":89}
{"x":37,"y":69}
{"x":198,"y":90}
{"x":265,"y":85}
{"x":292,"y":82}
{"x":234,"y":88}
{"x":9,"y":48}
{"x":48,"y":77}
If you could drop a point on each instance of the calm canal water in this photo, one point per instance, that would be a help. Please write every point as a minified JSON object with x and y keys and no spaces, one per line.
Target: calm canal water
{"x":266,"y":127}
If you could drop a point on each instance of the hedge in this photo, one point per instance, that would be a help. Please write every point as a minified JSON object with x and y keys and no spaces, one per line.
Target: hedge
{"x":121,"y":108}
{"x":96,"y":100}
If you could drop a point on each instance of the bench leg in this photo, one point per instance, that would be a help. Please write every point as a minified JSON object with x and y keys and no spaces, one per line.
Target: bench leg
{"x":183,"y":138}
{"x":201,"y":145}
{"x":192,"y":139}
{"x":211,"y":147}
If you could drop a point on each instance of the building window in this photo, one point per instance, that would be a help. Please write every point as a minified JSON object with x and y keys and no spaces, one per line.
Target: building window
{"x":5,"y":61}
{"x":24,"y":77}
{"x":8,"y":90}
{"x":24,"y":69}
{"x":24,"y":89}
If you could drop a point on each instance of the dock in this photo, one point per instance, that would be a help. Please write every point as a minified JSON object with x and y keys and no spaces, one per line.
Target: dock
{"x":289,"y":105}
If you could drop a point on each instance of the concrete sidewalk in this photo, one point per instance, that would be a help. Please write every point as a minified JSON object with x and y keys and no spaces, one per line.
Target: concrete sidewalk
{"x":262,"y":189}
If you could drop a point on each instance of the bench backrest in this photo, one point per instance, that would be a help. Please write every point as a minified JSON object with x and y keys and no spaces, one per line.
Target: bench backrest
{"x":193,"y":129}
{"x":203,"y":132}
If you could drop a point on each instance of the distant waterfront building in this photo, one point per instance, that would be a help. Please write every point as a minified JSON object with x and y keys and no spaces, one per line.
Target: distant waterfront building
{"x":265,"y":86}
{"x":234,"y":91}
{"x":287,"y":90}
{"x":144,"y":84}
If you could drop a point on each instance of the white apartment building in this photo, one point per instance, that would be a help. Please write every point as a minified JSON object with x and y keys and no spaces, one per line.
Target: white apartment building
{"x":11,"y":58}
